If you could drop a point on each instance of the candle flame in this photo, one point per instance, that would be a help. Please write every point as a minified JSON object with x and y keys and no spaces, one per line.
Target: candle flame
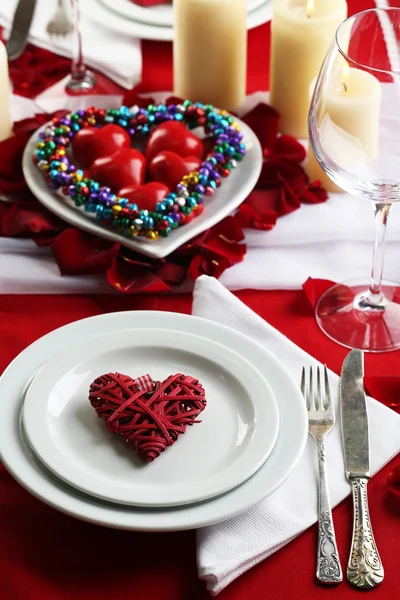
{"x":346,"y":75}
{"x":310,"y":7}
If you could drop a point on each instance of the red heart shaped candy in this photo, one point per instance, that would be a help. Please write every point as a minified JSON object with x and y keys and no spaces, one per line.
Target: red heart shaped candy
{"x":149,"y":414}
{"x":124,"y":168}
{"x":145,"y":196}
{"x":173,"y":136}
{"x":169,"y":168}
{"x":90,"y":143}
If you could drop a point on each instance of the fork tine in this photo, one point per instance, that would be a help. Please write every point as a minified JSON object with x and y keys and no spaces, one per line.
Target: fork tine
{"x":310,"y":396}
{"x":328,"y":399}
{"x":318,"y":398}
{"x":303,"y":383}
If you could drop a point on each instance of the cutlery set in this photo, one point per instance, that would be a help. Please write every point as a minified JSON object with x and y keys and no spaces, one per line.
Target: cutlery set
{"x":364,"y":569}
{"x":59,"y":24}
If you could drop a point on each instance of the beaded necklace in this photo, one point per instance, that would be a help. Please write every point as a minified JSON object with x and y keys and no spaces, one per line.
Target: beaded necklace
{"x":116,"y":212}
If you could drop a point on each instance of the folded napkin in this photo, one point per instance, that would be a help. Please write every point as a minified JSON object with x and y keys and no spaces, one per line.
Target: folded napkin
{"x":117,"y":56}
{"x":228,"y":549}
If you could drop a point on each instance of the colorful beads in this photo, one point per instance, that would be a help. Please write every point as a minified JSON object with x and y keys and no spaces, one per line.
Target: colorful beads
{"x":115,"y":212}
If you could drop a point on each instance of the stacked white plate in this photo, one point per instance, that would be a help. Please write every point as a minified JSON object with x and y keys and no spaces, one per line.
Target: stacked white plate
{"x":251,"y":435}
{"x":156,"y":22}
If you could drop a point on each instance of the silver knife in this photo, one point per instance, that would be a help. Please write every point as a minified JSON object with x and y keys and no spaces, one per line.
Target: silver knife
{"x":364,"y":569}
{"x":20,"y":28}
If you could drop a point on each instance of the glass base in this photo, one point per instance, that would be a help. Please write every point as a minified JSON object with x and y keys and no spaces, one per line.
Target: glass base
{"x":349,"y":316}
{"x":82,"y":84}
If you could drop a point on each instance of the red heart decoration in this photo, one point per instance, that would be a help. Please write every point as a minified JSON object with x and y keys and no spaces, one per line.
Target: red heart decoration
{"x":175,"y":137}
{"x":123,"y":168}
{"x":145,"y":196}
{"x":90,"y":143}
{"x":149,"y":414}
{"x":169,"y":168}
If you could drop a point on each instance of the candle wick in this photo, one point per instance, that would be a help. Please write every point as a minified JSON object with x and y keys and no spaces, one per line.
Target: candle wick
{"x":345,"y":86}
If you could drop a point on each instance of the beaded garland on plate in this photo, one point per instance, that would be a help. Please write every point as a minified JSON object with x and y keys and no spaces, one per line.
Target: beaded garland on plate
{"x":116,"y":212}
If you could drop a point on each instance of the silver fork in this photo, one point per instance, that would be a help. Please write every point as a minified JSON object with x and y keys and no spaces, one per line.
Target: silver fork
{"x":59,"y":24}
{"x":321,"y":419}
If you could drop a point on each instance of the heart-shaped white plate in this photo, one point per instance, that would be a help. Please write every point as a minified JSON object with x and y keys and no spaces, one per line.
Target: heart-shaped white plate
{"x":230,"y":195}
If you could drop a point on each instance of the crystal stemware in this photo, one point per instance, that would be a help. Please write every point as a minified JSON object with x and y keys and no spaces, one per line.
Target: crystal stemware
{"x":81,"y":80}
{"x":354,"y":128}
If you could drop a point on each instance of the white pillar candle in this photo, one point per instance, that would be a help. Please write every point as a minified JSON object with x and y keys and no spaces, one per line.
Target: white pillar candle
{"x":210,"y":47}
{"x":5,"y":115}
{"x":301,"y":33}
{"x":348,"y":119}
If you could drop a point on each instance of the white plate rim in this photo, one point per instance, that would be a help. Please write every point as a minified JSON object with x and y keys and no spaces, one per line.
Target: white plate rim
{"x":19,"y":461}
{"x":218,"y":206}
{"x":153,"y":15}
{"x":263,"y":400}
{"x":98,"y":13}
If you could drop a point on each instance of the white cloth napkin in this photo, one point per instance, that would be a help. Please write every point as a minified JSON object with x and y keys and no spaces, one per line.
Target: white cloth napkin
{"x":117,"y":56}
{"x":226,"y":550}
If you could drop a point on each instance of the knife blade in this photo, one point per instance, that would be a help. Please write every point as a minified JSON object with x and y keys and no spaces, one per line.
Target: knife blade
{"x":20,"y":28}
{"x":354,"y":416}
{"x":364,"y":569}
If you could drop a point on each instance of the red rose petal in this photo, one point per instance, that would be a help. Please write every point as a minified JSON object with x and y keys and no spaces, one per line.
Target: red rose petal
{"x":264,"y":121}
{"x":11,"y":151}
{"x":78,"y":253}
{"x":133,"y":98}
{"x":124,"y":278}
{"x":174,"y":100}
{"x":276,"y":170}
{"x":248,"y":218}
{"x":314,"y":288}
{"x":26,"y":218}
{"x":36,"y":70}
{"x":287,"y":147}
{"x":314,"y":194}
{"x":213,"y":266}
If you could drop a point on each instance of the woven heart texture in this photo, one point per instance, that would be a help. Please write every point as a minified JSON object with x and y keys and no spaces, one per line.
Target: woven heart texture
{"x":148,"y":414}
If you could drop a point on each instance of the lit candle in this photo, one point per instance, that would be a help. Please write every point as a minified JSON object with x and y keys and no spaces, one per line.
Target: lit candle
{"x":210,"y":47}
{"x":301,"y":33}
{"x":348,"y":119}
{"x":5,"y":115}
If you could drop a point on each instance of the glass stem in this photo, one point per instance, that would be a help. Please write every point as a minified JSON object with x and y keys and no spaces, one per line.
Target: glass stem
{"x":78,"y":68}
{"x":375,"y":295}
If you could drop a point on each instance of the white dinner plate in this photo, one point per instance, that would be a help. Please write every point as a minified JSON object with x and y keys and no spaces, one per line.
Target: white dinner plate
{"x":161,"y":14}
{"x":30,"y":472}
{"x":237,"y":432}
{"x":96,"y":11}
{"x":227,"y":198}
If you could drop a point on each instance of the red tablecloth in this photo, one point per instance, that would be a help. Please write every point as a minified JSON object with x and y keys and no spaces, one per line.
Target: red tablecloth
{"x":45,"y":555}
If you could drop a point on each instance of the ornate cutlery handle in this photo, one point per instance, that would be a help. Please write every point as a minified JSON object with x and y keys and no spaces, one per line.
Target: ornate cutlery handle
{"x":364,"y":569}
{"x":328,"y":564}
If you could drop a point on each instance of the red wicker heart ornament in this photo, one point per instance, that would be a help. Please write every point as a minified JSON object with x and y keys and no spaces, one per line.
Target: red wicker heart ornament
{"x":149,"y":414}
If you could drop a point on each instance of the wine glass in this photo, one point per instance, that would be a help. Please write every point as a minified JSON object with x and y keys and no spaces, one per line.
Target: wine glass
{"x":354,"y":128}
{"x":81,"y":80}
